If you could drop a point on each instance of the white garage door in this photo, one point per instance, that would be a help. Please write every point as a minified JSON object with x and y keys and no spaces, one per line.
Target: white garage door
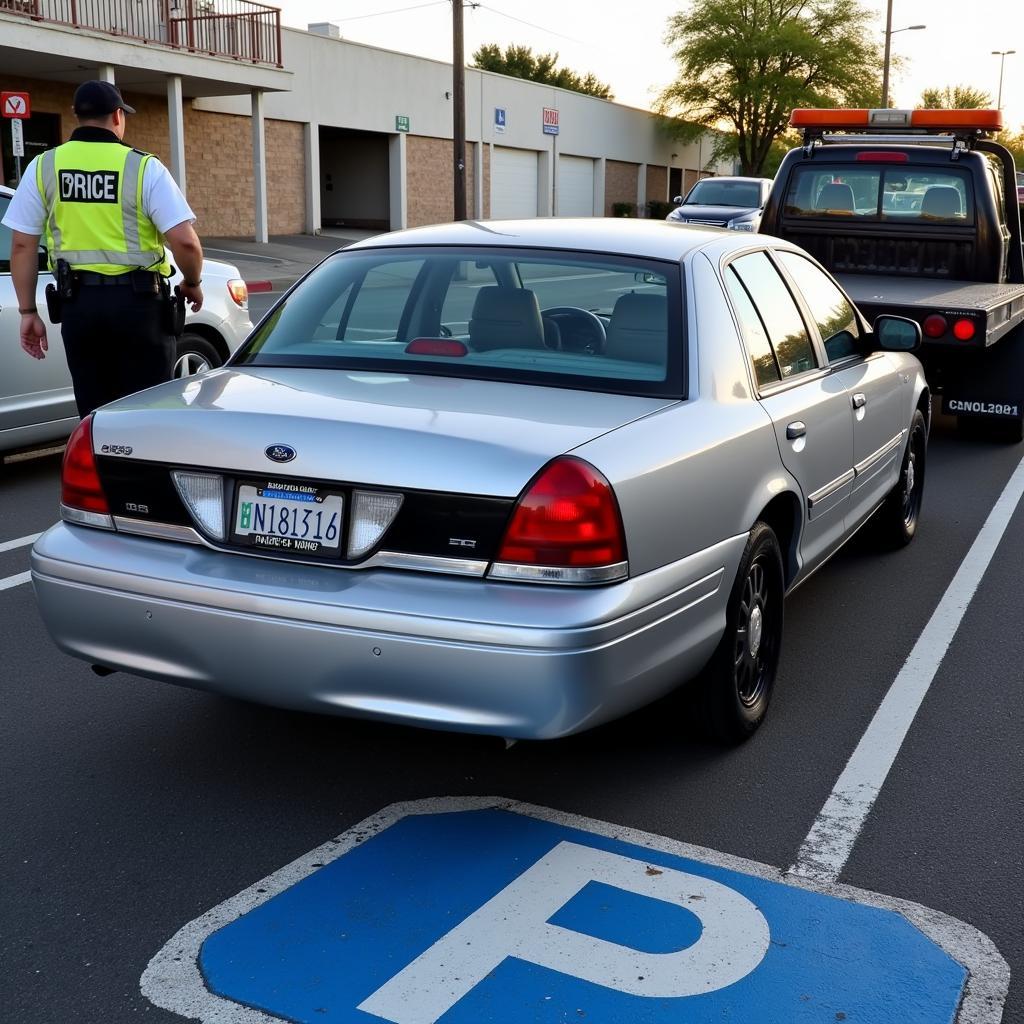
{"x":575,"y":194}
{"x":513,"y":183}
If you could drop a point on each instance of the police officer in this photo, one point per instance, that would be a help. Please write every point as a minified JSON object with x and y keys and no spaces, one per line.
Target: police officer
{"x":106,"y":211}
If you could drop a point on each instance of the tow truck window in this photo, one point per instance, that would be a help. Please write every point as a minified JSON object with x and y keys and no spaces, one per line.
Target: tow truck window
{"x":894,"y":194}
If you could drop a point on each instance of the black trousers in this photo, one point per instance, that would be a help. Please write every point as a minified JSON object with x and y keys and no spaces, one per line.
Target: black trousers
{"x":115,"y":343}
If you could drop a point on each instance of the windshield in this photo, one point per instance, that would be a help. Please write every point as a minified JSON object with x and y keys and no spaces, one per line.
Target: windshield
{"x":531,"y":316}
{"x":711,"y":192}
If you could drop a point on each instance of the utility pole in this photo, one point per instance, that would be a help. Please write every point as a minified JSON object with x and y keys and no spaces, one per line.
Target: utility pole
{"x":459,"y":112}
{"x":885,"y":65}
{"x":889,"y":33}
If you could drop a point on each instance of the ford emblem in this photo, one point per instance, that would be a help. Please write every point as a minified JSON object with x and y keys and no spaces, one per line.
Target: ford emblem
{"x":280,"y":453}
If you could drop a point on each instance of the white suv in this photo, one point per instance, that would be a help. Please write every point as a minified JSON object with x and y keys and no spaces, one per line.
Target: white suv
{"x":37,"y":405}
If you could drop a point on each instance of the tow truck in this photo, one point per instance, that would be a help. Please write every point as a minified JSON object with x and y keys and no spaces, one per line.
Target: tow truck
{"x":915,"y":213}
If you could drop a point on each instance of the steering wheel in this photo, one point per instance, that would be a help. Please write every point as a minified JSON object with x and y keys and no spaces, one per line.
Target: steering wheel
{"x":581,"y":330}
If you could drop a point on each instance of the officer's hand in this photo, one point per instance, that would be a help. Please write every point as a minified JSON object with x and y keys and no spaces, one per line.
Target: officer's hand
{"x":33,"y":335}
{"x":193,"y":295}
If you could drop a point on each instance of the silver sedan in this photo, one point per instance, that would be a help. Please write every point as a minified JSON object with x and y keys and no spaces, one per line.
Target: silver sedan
{"x":516,"y":478}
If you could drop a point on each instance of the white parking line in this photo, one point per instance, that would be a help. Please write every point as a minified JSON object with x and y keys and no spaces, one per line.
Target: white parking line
{"x":247,"y":255}
{"x":10,"y":545}
{"x":826,"y":849}
{"x":15,"y":581}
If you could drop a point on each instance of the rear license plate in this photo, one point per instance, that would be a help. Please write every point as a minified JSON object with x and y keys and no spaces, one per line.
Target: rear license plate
{"x":292,"y":517}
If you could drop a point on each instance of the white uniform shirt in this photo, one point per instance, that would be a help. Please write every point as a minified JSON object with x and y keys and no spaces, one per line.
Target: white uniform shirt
{"x":162,"y":201}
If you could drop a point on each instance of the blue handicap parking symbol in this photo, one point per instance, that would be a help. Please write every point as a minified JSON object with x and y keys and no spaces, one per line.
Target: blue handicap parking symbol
{"x":463,"y":912}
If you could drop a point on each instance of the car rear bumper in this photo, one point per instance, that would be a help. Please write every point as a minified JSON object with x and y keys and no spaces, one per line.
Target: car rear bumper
{"x":509,"y":659}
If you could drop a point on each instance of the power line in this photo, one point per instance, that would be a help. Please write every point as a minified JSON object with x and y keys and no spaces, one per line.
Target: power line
{"x":395,"y":10}
{"x":530,"y":24}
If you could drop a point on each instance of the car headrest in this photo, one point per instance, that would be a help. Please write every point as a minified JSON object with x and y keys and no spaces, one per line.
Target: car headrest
{"x":505,"y":318}
{"x":942,"y":201}
{"x":638,"y":329}
{"x":835,"y":196}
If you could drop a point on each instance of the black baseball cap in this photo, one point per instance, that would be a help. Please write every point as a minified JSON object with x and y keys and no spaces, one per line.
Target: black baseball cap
{"x":97,"y":99}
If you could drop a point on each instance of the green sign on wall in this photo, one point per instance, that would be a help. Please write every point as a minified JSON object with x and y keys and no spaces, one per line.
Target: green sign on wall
{"x":401,"y":123}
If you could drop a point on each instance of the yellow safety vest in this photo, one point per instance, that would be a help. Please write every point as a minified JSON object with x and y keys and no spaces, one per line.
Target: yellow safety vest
{"x":94,"y":218}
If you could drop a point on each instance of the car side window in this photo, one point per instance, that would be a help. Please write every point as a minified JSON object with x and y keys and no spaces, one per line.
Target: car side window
{"x":755,"y":337}
{"x":779,"y":313}
{"x":835,"y":317}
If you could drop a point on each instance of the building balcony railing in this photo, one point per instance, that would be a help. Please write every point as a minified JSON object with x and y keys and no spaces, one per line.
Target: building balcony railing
{"x":240,"y":29}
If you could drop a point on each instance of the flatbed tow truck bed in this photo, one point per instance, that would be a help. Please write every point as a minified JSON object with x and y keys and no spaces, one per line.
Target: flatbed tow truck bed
{"x":996,"y":308}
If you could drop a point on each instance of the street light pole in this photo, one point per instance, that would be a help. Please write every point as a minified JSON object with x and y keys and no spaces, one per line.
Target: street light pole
{"x":889,"y":33}
{"x":1002,"y":55}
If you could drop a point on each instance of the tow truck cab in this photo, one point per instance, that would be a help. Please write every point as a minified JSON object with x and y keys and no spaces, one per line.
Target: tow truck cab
{"x":915,"y":213}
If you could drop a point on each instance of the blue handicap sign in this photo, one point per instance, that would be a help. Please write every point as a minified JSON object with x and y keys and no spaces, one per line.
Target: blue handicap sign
{"x":504,"y":914}
{"x":499,"y":118}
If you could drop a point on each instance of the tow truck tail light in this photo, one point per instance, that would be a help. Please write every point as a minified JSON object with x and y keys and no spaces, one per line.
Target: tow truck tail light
{"x":963,"y":329}
{"x":887,"y":119}
{"x":566,"y":528}
{"x":935,"y":326}
{"x":81,"y":493}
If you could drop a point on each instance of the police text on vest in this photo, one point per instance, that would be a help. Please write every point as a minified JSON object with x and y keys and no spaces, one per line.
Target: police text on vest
{"x":88,"y":186}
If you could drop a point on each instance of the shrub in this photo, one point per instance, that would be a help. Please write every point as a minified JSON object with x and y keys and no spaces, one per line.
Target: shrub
{"x":659,"y":209}
{"x":623,"y":209}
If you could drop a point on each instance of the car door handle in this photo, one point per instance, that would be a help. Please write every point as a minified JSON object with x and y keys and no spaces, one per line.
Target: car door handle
{"x":860,"y":400}
{"x":795,"y":429}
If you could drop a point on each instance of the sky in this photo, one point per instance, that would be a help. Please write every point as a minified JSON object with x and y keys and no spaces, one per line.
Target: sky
{"x":622,"y":41}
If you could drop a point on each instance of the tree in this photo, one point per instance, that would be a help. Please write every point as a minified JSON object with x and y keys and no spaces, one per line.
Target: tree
{"x":748,"y":63}
{"x":522,"y":62}
{"x":955,"y":97}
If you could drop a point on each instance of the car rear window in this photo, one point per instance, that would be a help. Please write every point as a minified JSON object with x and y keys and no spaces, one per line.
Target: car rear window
{"x":534,"y":316}
{"x":898,"y":194}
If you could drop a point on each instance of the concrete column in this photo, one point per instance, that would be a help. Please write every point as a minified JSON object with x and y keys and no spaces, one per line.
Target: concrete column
{"x":259,"y":167}
{"x":545,"y":181}
{"x":641,"y":190}
{"x":311,"y":145}
{"x":176,"y":129}
{"x":478,"y":179}
{"x":398,"y":163}
{"x":490,"y":171}
{"x":600,"y":169}
{"x":105,"y":73}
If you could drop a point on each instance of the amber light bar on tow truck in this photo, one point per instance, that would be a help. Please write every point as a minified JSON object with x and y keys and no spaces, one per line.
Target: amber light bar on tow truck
{"x":863,"y":119}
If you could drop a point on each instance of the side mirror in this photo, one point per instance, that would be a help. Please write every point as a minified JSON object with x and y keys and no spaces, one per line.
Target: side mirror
{"x":896,"y":334}
{"x":678,"y":200}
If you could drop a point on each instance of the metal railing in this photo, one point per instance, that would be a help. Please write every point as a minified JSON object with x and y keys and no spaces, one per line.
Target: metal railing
{"x":241,"y":29}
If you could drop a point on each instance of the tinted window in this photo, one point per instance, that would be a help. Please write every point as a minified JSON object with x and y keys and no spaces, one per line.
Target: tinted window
{"x":484,"y":314}
{"x":766,"y":369}
{"x":779,"y":313}
{"x":710,"y":192}
{"x":897,"y":194}
{"x":836,"y":320}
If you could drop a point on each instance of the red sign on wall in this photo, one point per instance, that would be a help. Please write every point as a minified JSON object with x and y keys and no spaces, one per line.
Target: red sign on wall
{"x":550,"y":121}
{"x":15,"y":104}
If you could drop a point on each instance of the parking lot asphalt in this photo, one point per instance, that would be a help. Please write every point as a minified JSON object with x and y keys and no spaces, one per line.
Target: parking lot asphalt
{"x":131,"y":807}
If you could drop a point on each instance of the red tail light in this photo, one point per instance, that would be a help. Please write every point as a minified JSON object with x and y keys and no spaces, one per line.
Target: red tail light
{"x":963,"y":330}
{"x":566,"y":528}
{"x":881,"y":156}
{"x":80,"y":482}
{"x":935,"y":326}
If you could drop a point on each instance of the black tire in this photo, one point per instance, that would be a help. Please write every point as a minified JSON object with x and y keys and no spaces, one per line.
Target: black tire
{"x":896,"y":521}
{"x":736,"y":686}
{"x":195,"y":354}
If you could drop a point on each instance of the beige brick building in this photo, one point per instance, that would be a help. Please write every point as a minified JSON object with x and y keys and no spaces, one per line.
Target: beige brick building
{"x":279,"y":131}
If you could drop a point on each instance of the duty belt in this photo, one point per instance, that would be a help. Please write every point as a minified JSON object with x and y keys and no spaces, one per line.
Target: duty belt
{"x":139,"y":280}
